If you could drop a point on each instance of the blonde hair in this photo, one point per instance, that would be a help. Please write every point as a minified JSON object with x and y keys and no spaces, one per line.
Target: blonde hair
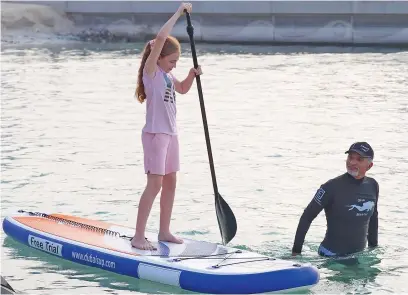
{"x":171,"y":45}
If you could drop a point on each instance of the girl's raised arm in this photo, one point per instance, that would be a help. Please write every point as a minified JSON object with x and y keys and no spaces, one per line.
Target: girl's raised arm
{"x":151,"y":62}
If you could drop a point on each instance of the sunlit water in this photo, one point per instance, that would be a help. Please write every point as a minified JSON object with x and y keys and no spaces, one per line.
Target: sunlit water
{"x":280,"y":119}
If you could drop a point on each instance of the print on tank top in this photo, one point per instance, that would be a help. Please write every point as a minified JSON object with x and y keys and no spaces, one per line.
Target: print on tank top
{"x":170,"y":94}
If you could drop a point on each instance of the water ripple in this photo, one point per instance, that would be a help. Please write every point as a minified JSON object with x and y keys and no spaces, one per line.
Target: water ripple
{"x":280,"y":120}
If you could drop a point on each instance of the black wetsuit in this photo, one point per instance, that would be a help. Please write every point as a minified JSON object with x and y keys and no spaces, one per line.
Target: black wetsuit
{"x":350,"y":206}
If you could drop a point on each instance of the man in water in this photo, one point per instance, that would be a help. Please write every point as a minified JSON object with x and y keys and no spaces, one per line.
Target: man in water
{"x":350,"y":204}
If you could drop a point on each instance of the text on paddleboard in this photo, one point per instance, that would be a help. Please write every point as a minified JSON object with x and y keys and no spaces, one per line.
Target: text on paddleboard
{"x":45,"y":245}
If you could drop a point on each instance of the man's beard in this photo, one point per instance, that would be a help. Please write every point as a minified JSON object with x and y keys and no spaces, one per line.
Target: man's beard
{"x":353,"y":173}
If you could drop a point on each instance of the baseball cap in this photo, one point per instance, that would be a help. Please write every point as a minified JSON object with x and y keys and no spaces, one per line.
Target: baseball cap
{"x":361,"y":148}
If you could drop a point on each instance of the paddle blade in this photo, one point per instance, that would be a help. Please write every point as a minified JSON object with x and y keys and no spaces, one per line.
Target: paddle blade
{"x":226,"y":219}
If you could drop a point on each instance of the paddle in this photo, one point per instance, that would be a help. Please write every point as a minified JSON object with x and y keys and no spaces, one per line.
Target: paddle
{"x":226,"y":219}
{"x":5,"y":287}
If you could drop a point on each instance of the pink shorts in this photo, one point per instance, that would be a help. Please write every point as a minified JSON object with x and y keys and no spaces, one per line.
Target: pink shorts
{"x":161,"y":153}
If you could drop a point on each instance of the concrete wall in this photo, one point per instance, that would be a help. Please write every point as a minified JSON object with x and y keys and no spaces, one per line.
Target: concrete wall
{"x":338,"y":22}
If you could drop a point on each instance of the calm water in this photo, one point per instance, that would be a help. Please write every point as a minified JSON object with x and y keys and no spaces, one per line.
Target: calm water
{"x":280,"y":119}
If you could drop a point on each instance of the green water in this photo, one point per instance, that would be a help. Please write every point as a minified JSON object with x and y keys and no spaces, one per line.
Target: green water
{"x":280,"y":119}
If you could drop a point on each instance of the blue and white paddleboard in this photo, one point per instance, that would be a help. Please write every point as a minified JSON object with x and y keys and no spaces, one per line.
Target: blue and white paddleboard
{"x":197,"y":266}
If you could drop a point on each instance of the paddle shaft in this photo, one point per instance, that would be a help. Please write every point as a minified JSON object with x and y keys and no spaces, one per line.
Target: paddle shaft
{"x":190,"y":31}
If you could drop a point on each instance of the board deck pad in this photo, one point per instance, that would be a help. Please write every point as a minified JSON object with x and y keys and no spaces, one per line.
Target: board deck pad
{"x":99,"y":239}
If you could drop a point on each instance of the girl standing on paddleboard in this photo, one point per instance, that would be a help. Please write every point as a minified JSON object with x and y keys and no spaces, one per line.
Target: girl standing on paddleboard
{"x":157,"y":86}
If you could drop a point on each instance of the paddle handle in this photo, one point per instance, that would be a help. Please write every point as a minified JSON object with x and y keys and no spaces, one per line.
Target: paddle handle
{"x":190,"y":32}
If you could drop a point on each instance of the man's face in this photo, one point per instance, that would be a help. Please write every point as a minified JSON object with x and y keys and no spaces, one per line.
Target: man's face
{"x":357,"y":166}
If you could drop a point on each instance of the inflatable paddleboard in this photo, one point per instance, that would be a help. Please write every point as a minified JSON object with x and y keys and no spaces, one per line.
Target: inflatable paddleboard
{"x":197,"y":266}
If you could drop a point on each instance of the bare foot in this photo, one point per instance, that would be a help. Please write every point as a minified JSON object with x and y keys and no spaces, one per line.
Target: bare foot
{"x":142,"y":244}
{"x":168,"y":237}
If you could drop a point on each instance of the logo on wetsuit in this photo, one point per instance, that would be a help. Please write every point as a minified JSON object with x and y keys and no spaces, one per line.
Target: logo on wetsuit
{"x":319,"y":195}
{"x":365,"y":207}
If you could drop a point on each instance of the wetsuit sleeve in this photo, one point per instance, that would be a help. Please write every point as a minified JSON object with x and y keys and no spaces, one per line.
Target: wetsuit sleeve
{"x":320,"y":200}
{"x":373,"y":225}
